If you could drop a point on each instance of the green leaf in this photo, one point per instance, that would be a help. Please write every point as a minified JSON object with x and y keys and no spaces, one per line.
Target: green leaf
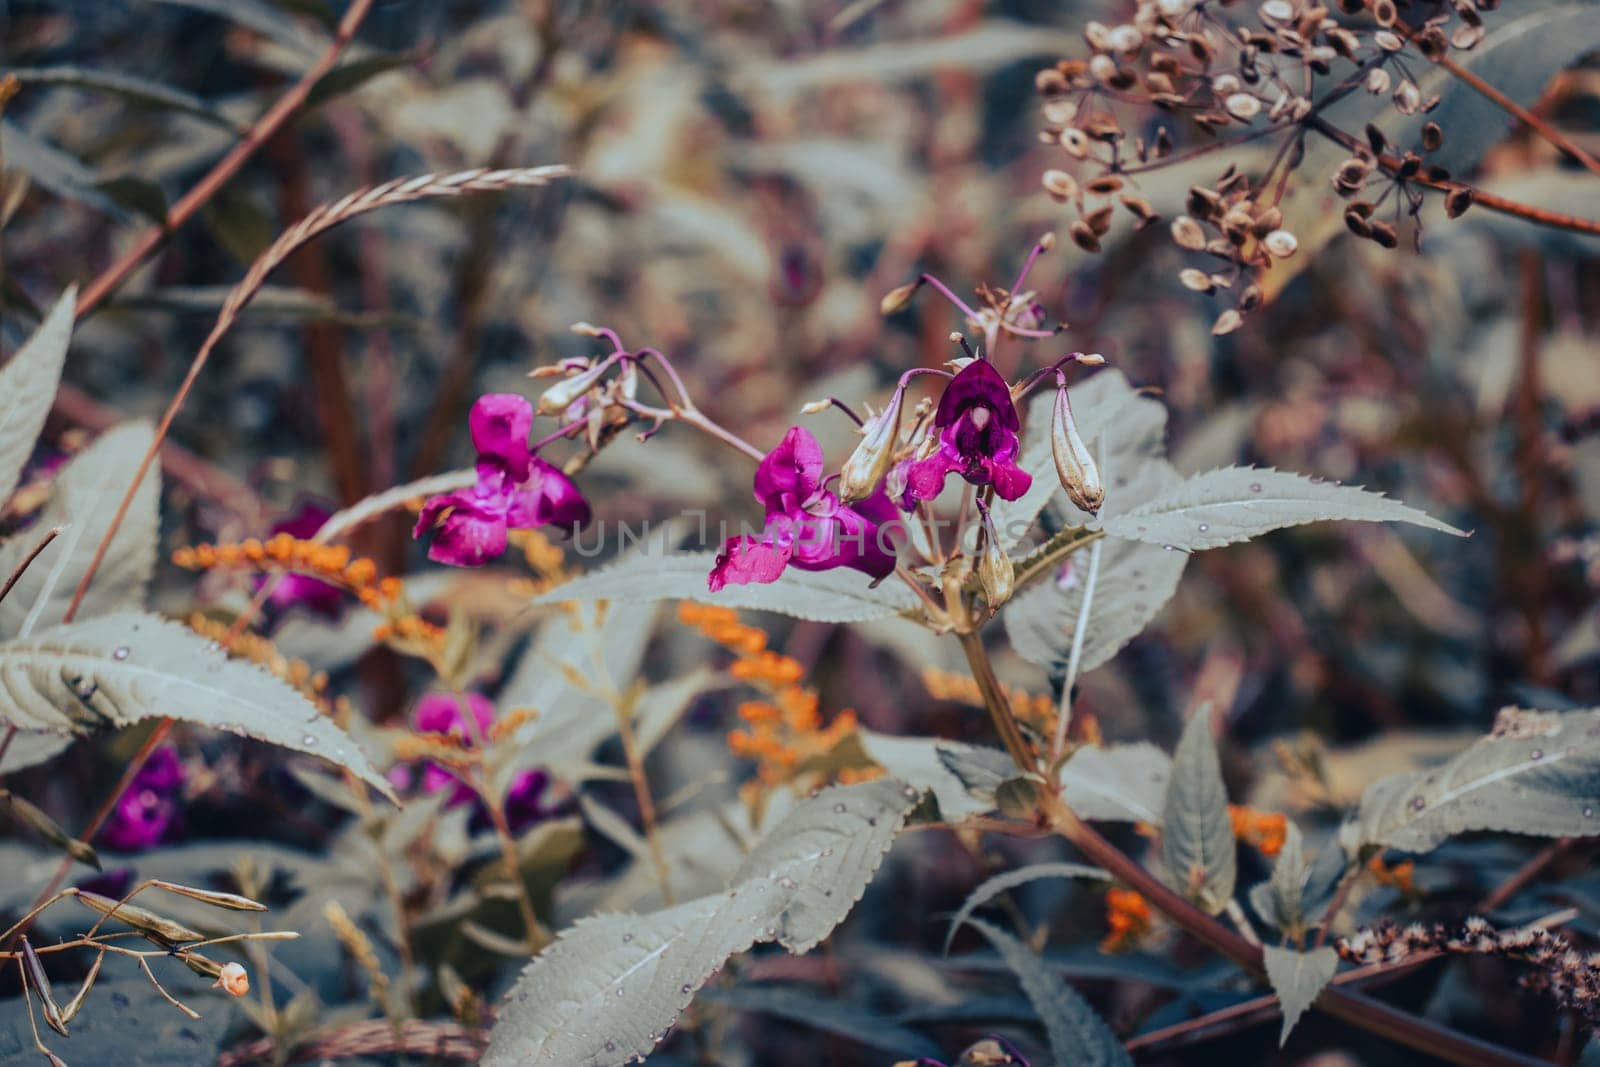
{"x":610,"y":987}
{"x":1537,"y":773}
{"x":1233,"y":504}
{"x":1196,"y":833}
{"x":981,"y":771}
{"x":83,"y":503}
{"x":50,"y":168}
{"x":129,"y":87}
{"x":1117,"y":783}
{"x":1134,"y":583}
{"x":124,"y":668}
{"x":1077,"y":1035}
{"x":820,"y":596}
{"x":27,"y":386}
{"x":1280,"y":899}
{"x":1298,"y":978}
{"x":993,"y":887}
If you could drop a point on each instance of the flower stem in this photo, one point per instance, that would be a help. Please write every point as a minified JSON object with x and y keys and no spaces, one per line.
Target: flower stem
{"x":641,"y":794}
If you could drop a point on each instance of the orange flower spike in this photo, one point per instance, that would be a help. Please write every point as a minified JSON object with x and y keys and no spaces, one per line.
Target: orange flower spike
{"x":1127,"y":919}
{"x":185,"y":558}
{"x":280,"y":548}
{"x":253,"y":550}
{"x":361,"y":572}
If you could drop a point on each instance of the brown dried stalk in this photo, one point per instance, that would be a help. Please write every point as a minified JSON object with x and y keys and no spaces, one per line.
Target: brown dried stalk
{"x":375,"y":1037}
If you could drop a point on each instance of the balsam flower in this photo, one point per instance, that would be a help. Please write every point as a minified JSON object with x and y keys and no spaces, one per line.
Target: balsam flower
{"x":526,"y":800}
{"x":148,"y":806}
{"x":977,"y":423}
{"x":515,"y":489}
{"x":806,"y":525}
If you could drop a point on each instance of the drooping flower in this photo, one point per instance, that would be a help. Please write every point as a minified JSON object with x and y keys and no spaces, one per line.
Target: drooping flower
{"x":293,"y":590}
{"x":806,"y":525}
{"x":516,"y":489}
{"x":977,"y":423}
{"x":148,"y":806}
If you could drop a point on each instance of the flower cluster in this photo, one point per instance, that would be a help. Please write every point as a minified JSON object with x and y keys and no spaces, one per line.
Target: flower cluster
{"x":1241,"y":73}
{"x":783,"y":732}
{"x":1128,"y":920}
{"x":1035,"y":710}
{"x":326,"y":564}
{"x":1265,"y":830}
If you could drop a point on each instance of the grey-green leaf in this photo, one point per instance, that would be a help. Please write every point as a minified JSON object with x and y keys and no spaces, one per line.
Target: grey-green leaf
{"x":1011,"y":879}
{"x":28,"y":385}
{"x":124,"y":668}
{"x":1233,"y":504}
{"x":841,"y":595}
{"x":1537,"y":773}
{"x":1280,"y":900}
{"x":924,"y":763}
{"x":1117,"y":783}
{"x":1077,"y":1035}
{"x":1196,"y":833}
{"x":609,"y":989}
{"x":1298,"y":978}
{"x":83,"y":503}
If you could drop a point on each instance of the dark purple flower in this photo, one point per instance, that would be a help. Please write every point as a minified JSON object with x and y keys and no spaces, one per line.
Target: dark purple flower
{"x":146,"y":810}
{"x":515,"y":489}
{"x":806,"y":525}
{"x":977,"y":423}
{"x":442,"y":713}
{"x":526,"y":802}
{"x":300,"y":590}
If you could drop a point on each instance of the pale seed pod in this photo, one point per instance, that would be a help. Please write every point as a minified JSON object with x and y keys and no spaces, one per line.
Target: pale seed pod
{"x":995,"y":570}
{"x":872,"y":458}
{"x":562,"y":395}
{"x":1280,"y":244}
{"x":1075,"y":466}
{"x":1060,"y":185}
{"x":1186,"y":233}
{"x":898,"y":298}
{"x":1243,"y":106}
{"x":1196,"y":280}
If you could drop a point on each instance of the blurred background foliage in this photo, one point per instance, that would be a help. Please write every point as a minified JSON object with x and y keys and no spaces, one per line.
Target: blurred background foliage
{"x":753,"y":177}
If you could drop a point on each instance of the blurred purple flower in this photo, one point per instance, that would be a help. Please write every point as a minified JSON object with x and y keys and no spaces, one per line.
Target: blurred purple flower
{"x":515,"y":489}
{"x":526,"y":800}
{"x":146,"y":810}
{"x":978,"y":427}
{"x":442,"y":713}
{"x":806,"y":525}
{"x":300,"y":590}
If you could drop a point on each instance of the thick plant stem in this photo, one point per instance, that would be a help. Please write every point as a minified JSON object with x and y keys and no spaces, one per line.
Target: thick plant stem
{"x":1356,"y":1009}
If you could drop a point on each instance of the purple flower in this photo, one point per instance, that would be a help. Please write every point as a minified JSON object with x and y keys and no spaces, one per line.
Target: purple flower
{"x":526,"y":800}
{"x":300,"y":590}
{"x":147,"y":808}
{"x":442,"y":713}
{"x":977,"y":423}
{"x":515,"y":489}
{"x":806,"y":525}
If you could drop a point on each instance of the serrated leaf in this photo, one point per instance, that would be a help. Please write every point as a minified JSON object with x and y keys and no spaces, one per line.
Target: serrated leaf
{"x":1122,"y":429}
{"x":610,"y":988}
{"x":1077,"y":1035}
{"x":923,"y":762}
{"x":1298,"y":978}
{"x":83,"y":503}
{"x":1538,"y":773}
{"x":1197,"y":844}
{"x":120,"y":669}
{"x":819,"y":596}
{"x":1233,"y":504}
{"x":1117,"y":783}
{"x":981,"y":771}
{"x":1134,"y":583}
{"x":1280,"y":899}
{"x":1011,"y":879}
{"x":28,"y":385}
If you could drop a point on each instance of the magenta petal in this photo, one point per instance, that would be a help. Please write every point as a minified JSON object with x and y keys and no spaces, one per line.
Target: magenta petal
{"x":855,"y":542}
{"x":468,"y":537}
{"x":925,"y":477}
{"x":748,"y":559}
{"x":500,"y":424}
{"x":551,"y":499}
{"x":441,"y":713}
{"x":1010,"y":480}
{"x":791,"y":473}
{"x":978,"y":385}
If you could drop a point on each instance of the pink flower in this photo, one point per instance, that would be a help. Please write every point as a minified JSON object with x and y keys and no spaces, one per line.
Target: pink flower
{"x":977,"y":423}
{"x":146,"y":810}
{"x":442,"y":713}
{"x":515,"y":489}
{"x":806,"y":526}
{"x":301,"y":590}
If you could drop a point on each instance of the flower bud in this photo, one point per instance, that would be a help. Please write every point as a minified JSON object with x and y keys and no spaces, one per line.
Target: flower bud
{"x":1074,"y":465}
{"x":870,"y":461}
{"x":898,"y":299}
{"x":995,"y":570}
{"x":560,"y":396}
{"x":233,"y":980}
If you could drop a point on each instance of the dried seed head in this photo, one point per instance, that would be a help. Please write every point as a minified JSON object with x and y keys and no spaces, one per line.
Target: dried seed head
{"x":1060,"y":185}
{"x":1103,"y":68}
{"x":898,"y":298}
{"x":1356,"y":221}
{"x":1408,"y":98}
{"x":1126,"y":39}
{"x":872,"y":458}
{"x":1198,"y":280}
{"x":1378,"y":81}
{"x":1104,"y":185}
{"x":1376,"y":140}
{"x":1457,"y":200}
{"x":1099,"y":220}
{"x":1186,"y":233}
{"x":1388,"y":40}
{"x":1059,"y":112}
{"x":1075,"y":465}
{"x":1227,"y":322}
{"x":1097,"y":36}
{"x":1432,"y":136}
{"x":1267,"y":219}
{"x":1250,"y":298}
{"x":1466,"y":38}
{"x":1280,"y":244}
{"x":234,"y":980}
{"x":1384,"y":11}
{"x":1141,"y":209}
{"x":1384,"y":233}
{"x":1202,"y":202}
{"x":1049,"y":81}
{"x":1084,"y":237}
{"x":1075,"y":141}
{"x":1351,"y":176}
{"x":1243,"y":106}
{"x":1277,"y":11}
{"x":1410,"y":166}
